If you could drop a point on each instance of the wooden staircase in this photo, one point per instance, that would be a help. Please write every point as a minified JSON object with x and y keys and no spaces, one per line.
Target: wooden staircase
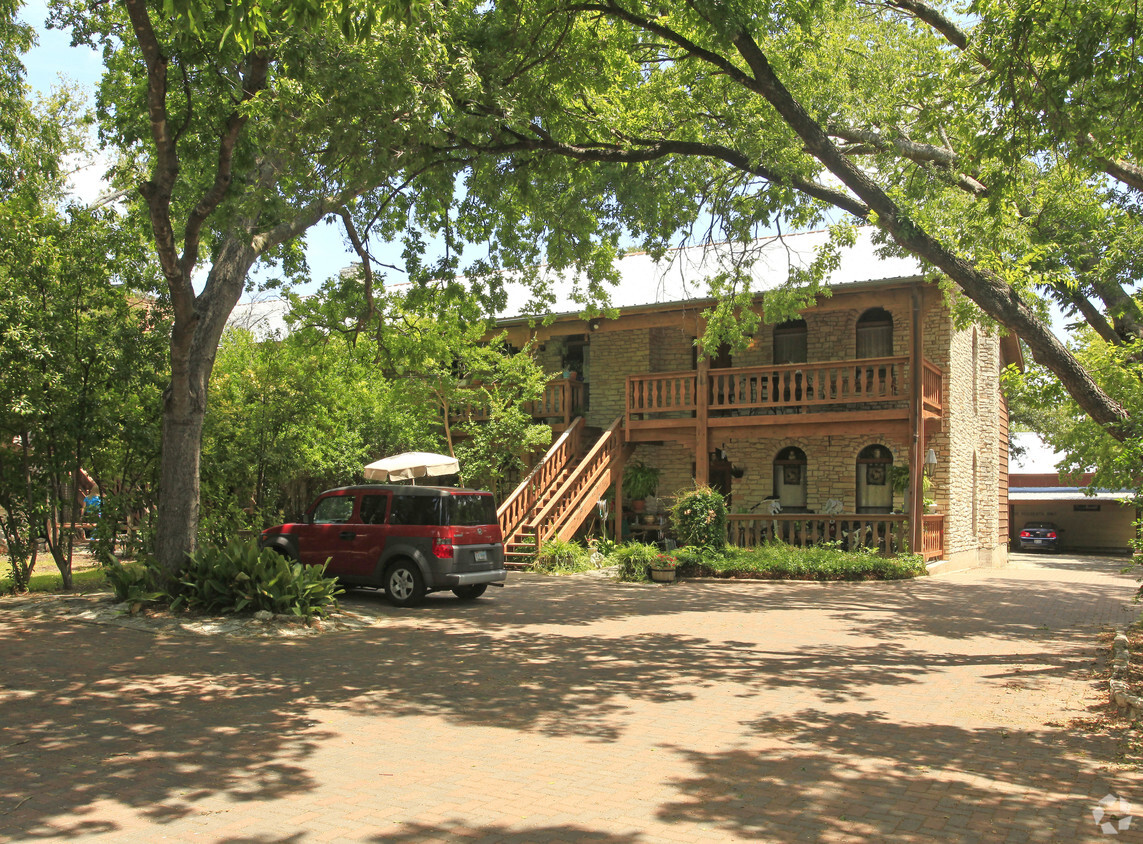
{"x":561,"y":492}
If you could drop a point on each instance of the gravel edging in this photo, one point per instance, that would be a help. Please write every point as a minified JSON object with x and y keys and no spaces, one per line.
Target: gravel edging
{"x":1121,"y":695}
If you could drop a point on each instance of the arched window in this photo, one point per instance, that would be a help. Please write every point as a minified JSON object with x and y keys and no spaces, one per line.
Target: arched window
{"x":875,"y":334}
{"x":790,"y":342}
{"x":790,"y":479}
{"x":874,"y":485}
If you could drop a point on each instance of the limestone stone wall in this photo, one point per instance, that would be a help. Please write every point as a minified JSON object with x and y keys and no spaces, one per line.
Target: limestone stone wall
{"x":966,"y":481}
{"x":671,"y":350}
{"x":831,"y":467}
{"x":614,"y":356}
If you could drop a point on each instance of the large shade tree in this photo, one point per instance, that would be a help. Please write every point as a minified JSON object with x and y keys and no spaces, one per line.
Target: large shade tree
{"x":1000,"y":144}
{"x":238,"y":128}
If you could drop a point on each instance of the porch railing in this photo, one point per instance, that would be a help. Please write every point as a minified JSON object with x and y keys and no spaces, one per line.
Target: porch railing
{"x":931,"y":384}
{"x":932,"y":536}
{"x":762,"y":390}
{"x":887,"y":533}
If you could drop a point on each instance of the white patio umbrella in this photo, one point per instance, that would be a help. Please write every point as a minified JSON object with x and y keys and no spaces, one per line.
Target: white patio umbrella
{"x":411,"y":464}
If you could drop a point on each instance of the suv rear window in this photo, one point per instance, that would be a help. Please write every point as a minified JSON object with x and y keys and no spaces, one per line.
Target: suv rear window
{"x":415,"y":510}
{"x":471,"y":510}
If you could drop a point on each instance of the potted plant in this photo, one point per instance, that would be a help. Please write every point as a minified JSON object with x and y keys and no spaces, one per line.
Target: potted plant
{"x":663,"y":568}
{"x":639,"y":483}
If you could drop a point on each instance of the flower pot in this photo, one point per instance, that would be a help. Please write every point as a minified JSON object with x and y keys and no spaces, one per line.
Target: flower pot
{"x":663,"y":575}
{"x":638,"y":505}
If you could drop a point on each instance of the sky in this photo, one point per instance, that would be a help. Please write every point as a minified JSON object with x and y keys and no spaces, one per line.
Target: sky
{"x":54,"y":57}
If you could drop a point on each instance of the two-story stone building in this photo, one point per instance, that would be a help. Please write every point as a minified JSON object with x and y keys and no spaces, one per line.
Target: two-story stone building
{"x":820,"y":429}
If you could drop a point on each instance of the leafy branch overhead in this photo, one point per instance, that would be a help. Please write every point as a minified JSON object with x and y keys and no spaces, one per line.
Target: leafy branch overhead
{"x":993,"y":146}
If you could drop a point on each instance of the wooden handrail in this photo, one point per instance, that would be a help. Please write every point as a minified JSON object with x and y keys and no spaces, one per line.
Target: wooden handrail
{"x":548,"y":520}
{"x":515,"y":508}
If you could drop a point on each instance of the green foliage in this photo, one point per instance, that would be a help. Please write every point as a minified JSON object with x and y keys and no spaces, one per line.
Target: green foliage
{"x":135,"y":584}
{"x":291,"y":416}
{"x":639,"y":480}
{"x":241,"y":578}
{"x":504,"y":385}
{"x":779,"y":561}
{"x":80,"y":346}
{"x":559,"y":557}
{"x":699,"y":517}
{"x":634,"y":559}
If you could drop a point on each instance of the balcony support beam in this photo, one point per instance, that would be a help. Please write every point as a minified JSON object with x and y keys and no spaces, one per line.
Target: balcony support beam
{"x":702,"y":421}
{"x":917,"y":419}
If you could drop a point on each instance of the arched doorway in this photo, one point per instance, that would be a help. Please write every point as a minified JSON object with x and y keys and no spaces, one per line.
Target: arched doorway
{"x":874,"y":485}
{"x":790,"y":479}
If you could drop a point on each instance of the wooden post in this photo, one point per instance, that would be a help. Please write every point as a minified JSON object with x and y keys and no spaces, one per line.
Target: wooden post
{"x":617,"y":477}
{"x":917,"y":417}
{"x":702,"y":416}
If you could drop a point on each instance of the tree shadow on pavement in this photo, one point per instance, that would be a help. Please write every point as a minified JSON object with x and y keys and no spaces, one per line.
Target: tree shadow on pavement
{"x":863,"y":777}
{"x":153,"y":726}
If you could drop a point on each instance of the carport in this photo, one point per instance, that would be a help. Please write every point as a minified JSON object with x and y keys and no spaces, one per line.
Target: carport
{"x":1088,"y":522}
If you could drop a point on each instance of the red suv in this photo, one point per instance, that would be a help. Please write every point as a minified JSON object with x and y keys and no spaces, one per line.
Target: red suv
{"x":407,"y":540}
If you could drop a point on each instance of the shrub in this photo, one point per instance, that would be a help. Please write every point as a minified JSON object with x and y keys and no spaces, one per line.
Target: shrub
{"x":633,"y":559}
{"x":785,"y":562}
{"x":137,"y":584}
{"x":559,"y":557}
{"x":699,"y":518}
{"x":239,"y":577}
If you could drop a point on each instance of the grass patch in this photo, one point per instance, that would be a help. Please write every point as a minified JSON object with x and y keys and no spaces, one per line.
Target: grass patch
{"x":776,"y":561}
{"x":90,"y":580}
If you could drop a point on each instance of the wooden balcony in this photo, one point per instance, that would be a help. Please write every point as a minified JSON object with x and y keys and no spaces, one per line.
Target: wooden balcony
{"x":666,"y":405}
{"x":561,"y":402}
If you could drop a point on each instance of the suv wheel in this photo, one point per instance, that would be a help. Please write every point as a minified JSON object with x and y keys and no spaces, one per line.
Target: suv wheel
{"x":470,"y":593}
{"x":404,"y":585}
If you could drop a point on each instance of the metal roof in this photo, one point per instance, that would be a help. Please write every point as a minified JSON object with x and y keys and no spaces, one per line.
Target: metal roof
{"x":681,"y":275}
{"x":1064,"y":493}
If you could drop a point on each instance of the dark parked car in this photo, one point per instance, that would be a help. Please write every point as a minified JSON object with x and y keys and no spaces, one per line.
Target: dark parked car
{"x":1040,"y":536}
{"x":407,"y":540}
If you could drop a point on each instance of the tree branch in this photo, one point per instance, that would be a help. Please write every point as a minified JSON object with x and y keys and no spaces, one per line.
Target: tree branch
{"x":995,"y":298}
{"x":253,"y":82}
{"x":920,"y":153}
{"x":157,"y":191}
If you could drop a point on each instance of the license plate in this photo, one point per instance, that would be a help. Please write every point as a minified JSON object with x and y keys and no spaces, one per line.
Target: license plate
{"x":481,"y":556}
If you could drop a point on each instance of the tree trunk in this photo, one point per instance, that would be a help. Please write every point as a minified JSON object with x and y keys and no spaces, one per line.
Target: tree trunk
{"x":194,"y":346}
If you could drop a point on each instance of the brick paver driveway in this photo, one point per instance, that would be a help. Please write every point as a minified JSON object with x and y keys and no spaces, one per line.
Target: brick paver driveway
{"x":579,"y":710}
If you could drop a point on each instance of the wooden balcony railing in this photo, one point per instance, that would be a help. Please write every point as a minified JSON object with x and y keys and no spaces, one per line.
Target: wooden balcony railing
{"x":887,"y":533}
{"x":932,"y":536}
{"x":562,"y":401}
{"x":792,"y":388}
{"x":931,"y":384}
